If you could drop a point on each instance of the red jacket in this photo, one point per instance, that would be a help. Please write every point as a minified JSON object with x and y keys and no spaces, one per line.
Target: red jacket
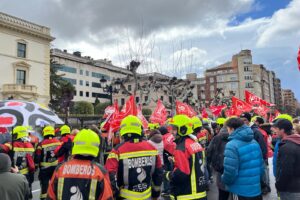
{"x":189,"y":170}
{"x":44,"y":154}
{"x":22,"y":155}
{"x":268,"y":142}
{"x":169,"y":144}
{"x":63,"y":151}
{"x":135,"y":170}
{"x":80,"y":179}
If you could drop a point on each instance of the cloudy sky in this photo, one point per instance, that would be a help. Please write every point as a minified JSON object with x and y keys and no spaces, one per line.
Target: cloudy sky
{"x":173,"y":36}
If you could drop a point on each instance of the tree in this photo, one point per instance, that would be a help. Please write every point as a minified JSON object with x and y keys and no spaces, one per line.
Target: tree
{"x":100,"y":107}
{"x":61,"y":91}
{"x":83,"y":108}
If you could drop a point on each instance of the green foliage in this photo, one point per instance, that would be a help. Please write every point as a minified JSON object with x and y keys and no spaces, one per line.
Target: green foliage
{"x":61,"y":91}
{"x":83,"y":107}
{"x":100,"y":107}
{"x":146,"y":111}
{"x":96,"y":101}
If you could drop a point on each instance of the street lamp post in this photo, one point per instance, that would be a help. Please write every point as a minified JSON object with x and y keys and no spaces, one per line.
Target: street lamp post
{"x":112,"y":88}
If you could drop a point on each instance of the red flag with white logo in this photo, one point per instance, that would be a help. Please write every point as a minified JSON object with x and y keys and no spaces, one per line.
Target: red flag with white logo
{"x":240,"y":106}
{"x":159,"y":115}
{"x":216,"y":110}
{"x":184,"y":109}
{"x":252,"y":99}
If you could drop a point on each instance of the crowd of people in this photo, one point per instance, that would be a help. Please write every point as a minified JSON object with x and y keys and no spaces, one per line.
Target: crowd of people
{"x":179,"y":159}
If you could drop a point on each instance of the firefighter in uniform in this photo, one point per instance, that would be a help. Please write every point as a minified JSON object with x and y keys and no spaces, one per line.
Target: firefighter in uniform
{"x":134,"y":166}
{"x":64,"y":149}
{"x":197,"y":126}
{"x":45,"y":158}
{"x":21,"y":152}
{"x":81,"y":177}
{"x":188,"y":177}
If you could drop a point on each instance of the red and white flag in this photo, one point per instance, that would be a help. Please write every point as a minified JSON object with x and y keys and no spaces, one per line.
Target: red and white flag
{"x":216,"y":110}
{"x":240,"y":106}
{"x":184,"y":109}
{"x":160,"y":114}
{"x":254,"y":100}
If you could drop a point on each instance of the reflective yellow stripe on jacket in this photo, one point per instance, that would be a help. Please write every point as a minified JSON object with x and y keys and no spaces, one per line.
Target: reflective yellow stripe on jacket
{"x":192,"y":196}
{"x":127,"y":194}
{"x":138,"y":154}
{"x":49,"y":164}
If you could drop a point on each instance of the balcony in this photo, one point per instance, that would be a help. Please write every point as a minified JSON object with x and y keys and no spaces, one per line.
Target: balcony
{"x":18,"y":89}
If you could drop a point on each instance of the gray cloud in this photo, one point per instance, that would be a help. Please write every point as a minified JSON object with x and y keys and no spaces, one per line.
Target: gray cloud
{"x":73,"y":19}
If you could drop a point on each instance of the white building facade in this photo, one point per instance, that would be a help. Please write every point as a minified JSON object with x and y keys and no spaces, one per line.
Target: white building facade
{"x":24,"y":60}
{"x":85,"y":74}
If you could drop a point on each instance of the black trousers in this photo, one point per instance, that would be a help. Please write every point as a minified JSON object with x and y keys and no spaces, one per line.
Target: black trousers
{"x":44,"y":177}
{"x":223,"y":195}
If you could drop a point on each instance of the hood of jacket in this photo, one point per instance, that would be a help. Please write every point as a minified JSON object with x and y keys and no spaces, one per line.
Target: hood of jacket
{"x":295,"y":138}
{"x":5,"y":163}
{"x":156,"y":138}
{"x":163,"y":130}
{"x":243,"y":133}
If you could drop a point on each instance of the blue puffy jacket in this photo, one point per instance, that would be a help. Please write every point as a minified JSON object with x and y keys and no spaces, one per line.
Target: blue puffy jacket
{"x":243,"y":163}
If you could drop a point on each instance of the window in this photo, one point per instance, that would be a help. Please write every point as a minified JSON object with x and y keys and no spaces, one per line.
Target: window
{"x":21,"y":76}
{"x":21,"y":50}
{"x":80,"y":93}
{"x":81,"y":82}
{"x":129,"y":87}
{"x":233,"y":78}
{"x":248,"y":85}
{"x":248,"y":77}
{"x":212,"y":88}
{"x":99,"y":75}
{"x":211,"y":79}
{"x":146,"y":98}
{"x":67,"y":69}
{"x":100,"y":95}
{"x":234,"y":85}
{"x":137,"y":99}
{"x":87,"y":94}
{"x":96,"y":85}
{"x":81,"y":72}
{"x":122,"y":101}
{"x":87,"y":84}
{"x":247,"y":69}
{"x":70,"y":80}
{"x":87,"y":73}
{"x":220,"y":78}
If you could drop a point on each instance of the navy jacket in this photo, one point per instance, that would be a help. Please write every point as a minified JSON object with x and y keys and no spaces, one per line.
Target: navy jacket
{"x":243,"y":163}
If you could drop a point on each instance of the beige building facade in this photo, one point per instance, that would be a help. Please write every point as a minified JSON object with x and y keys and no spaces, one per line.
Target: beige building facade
{"x":236,"y":76}
{"x":25,"y":60}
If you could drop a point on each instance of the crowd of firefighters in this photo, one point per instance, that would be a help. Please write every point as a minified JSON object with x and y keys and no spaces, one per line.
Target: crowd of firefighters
{"x":86,"y":165}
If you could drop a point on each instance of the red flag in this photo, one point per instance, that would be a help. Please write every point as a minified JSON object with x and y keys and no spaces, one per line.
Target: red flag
{"x":216,"y":110}
{"x":230,"y":112}
{"x":159,"y":115}
{"x":240,"y":106}
{"x":141,"y":117}
{"x":204,"y":113}
{"x":298,"y":58}
{"x":261,"y":110}
{"x":184,"y":109}
{"x":128,"y":109}
{"x":111,"y":112}
{"x":252,"y":99}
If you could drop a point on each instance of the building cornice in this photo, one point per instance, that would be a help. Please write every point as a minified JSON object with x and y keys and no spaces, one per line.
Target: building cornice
{"x":24,"y":26}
